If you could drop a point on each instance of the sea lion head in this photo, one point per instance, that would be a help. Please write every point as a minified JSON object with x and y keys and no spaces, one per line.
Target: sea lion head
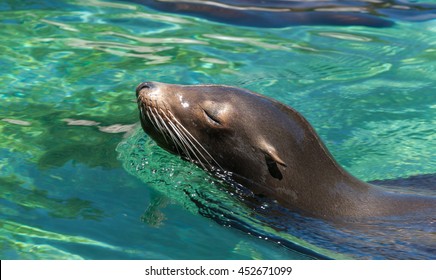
{"x":219,"y":127}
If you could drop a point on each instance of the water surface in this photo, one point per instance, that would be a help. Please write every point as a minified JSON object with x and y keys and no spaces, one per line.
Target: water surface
{"x":68,"y":73}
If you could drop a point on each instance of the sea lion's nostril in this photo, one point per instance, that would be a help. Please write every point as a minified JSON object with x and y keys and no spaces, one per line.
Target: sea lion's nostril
{"x":143,"y":85}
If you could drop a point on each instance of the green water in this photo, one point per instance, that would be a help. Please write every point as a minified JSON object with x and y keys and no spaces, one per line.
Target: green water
{"x":68,"y":70}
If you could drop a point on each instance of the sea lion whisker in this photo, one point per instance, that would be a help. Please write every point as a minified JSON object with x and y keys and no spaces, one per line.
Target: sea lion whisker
{"x":187,"y":144}
{"x":158,"y":122}
{"x":165,"y":128}
{"x":148,"y":112}
{"x":149,"y":116}
{"x":195,"y":150}
{"x":174,"y":139}
{"x":177,"y":137}
{"x":191,"y":149}
{"x":185,"y":139}
{"x":196,"y":142}
{"x":179,"y":141}
{"x":152,"y":118}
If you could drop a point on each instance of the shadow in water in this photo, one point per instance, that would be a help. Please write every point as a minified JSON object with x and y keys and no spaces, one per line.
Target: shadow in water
{"x":14,"y":191}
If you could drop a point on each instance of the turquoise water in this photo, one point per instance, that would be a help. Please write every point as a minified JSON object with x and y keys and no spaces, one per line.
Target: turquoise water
{"x":73,"y":183}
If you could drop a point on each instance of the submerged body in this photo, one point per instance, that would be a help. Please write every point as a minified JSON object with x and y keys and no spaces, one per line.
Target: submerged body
{"x":266,"y":147}
{"x":288,"y":13}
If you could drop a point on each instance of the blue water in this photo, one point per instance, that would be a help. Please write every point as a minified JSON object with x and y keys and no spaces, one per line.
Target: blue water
{"x":79,"y":179}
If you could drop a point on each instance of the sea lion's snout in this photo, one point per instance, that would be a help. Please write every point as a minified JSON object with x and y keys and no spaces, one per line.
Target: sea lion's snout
{"x":144,"y":85}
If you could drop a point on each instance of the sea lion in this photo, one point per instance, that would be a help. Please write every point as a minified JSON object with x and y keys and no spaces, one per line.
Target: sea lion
{"x":265,"y":146}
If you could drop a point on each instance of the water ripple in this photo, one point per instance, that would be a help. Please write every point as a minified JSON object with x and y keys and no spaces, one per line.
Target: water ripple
{"x":69,"y":69}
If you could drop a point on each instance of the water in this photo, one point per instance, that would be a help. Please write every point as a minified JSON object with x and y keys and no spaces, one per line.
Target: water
{"x":74,"y":185}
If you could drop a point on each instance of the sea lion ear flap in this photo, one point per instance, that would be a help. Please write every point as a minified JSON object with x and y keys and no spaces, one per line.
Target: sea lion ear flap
{"x":272,"y":154}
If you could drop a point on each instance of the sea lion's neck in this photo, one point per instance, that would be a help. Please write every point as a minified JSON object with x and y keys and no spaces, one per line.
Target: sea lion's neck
{"x":323,"y":179}
{"x":314,"y":177}
{"x":322,"y":188}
